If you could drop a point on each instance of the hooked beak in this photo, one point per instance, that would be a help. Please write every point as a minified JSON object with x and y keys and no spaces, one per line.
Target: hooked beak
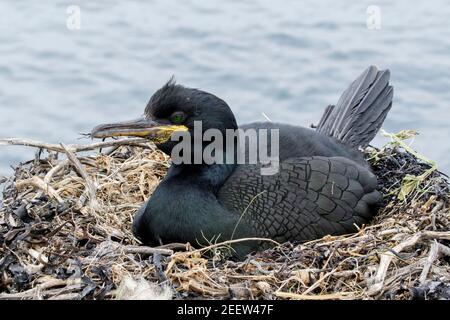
{"x":142,"y":127}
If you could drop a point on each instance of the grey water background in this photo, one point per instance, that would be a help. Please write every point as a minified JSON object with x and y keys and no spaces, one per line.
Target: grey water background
{"x":287,"y":59}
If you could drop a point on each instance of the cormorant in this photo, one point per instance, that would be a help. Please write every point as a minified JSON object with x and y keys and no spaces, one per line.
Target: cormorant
{"x":324,"y":185}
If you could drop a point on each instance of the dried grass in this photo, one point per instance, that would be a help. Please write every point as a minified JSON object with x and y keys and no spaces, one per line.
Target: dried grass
{"x":65,"y":234}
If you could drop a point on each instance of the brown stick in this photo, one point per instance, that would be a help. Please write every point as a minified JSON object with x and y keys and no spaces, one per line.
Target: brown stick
{"x":147,"y":250}
{"x":385,"y":261}
{"x":386,"y":258}
{"x":46,"y":283}
{"x":443,"y":235}
{"x":48,"y":177}
{"x":228,"y":242}
{"x":50,"y":174}
{"x":66,"y":296}
{"x":444,"y":249}
{"x":333,"y":296}
{"x":90,"y":185}
{"x":434,"y":254}
{"x":71,"y":147}
{"x":38,"y":183}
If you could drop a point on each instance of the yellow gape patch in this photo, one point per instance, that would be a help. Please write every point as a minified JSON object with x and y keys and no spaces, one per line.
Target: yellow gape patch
{"x":162,"y":134}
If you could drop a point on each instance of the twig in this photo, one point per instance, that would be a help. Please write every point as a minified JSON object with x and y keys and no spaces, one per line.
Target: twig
{"x":66,"y":296}
{"x":46,"y":284}
{"x":51,"y":173}
{"x":385,"y":261}
{"x":147,"y":250}
{"x":243,"y":213}
{"x":203,"y":290}
{"x":436,"y":208}
{"x":93,"y":203}
{"x":318,"y":282}
{"x":71,"y":147}
{"x":228,"y":242}
{"x":401,"y":275}
{"x":434,"y":254}
{"x":444,"y":249}
{"x":49,"y":176}
{"x":173,"y":246}
{"x":387,"y":256}
{"x":39,"y":256}
{"x":443,"y":235}
{"x":333,"y":296}
{"x":64,"y":291}
{"x":38,"y":183}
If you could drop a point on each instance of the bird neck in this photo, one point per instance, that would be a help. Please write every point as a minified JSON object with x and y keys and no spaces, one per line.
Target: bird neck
{"x":211,"y":176}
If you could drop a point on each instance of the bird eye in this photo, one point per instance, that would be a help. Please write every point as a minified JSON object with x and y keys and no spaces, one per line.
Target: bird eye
{"x":177,"y":117}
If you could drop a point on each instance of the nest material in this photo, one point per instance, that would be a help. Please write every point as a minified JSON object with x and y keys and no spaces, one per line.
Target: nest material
{"x":65,"y":233}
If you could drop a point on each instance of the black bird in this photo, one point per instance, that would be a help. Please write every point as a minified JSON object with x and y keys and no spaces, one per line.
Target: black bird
{"x":324,"y":185}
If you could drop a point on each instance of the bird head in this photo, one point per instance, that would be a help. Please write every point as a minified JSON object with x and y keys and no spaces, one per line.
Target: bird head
{"x":173,"y":108}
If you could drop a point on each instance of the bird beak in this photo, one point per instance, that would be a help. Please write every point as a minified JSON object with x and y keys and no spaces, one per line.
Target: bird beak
{"x":142,"y":127}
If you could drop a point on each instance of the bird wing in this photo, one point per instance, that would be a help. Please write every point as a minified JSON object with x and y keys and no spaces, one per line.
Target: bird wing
{"x":308,"y":199}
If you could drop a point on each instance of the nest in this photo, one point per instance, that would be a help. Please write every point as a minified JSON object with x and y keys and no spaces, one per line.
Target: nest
{"x":65,"y":233}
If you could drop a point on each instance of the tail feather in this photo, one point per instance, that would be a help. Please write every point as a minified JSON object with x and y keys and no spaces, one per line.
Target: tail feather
{"x":361,"y":110}
{"x":324,"y":120}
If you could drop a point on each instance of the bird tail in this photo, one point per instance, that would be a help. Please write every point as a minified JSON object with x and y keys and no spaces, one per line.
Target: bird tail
{"x":361,"y":110}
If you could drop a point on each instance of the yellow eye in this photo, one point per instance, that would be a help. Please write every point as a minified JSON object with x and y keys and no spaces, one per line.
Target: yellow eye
{"x":177,"y":117}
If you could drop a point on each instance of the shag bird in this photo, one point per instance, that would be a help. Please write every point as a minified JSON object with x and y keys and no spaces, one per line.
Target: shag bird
{"x":323,"y":185}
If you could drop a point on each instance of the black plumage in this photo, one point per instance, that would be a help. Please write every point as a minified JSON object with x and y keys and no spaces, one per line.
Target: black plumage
{"x":324,"y":185}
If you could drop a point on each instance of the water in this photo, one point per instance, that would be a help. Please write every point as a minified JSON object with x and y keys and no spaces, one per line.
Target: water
{"x":287,"y":60}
